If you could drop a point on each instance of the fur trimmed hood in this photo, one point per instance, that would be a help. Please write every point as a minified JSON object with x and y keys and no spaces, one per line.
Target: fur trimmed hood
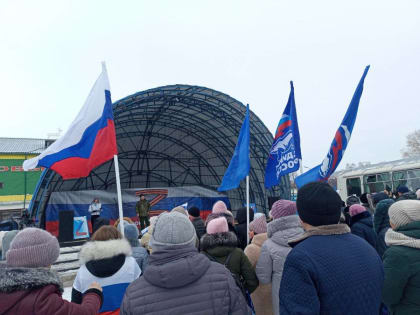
{"x":98,"y":250}
{"x":259,"y":239}
{"x":228,"y":217}
{"x":364,"y":217}
{"x":333,"y":229}
{"x":24,"y":279}
{"x":281,"y":230}
{"x":225,"y":239}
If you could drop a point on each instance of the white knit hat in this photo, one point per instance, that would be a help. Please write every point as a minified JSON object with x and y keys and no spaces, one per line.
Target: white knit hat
{"x":404,"y":212}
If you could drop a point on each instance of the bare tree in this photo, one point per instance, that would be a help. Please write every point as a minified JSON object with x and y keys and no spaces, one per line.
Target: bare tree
{"x":413,"y":144}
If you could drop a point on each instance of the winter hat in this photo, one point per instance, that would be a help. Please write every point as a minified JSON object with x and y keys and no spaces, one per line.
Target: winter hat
{"x":259,"y":225}
{"x":418,"y":193}
{"x":219,"y":207}
{"x":404,"y":212}
{"x":379,"y":196}
{"x":282,"y":208}
{"x":218,"y":225}
{"x":6,"y":241}
{"x":33,"y":248}
{"x":363,"y":198}
{"x":352,"y":200}
{"x":318,"y":204}
{"x":172,"y":229}
{"x":258,"y":215}
{"x":403,"y":189}
{"x":131,"y":233}
{"x":356,"y":209}
{"x":194,"y":212}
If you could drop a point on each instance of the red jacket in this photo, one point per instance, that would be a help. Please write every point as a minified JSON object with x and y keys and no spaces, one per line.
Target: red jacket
{"x":37,"y":291}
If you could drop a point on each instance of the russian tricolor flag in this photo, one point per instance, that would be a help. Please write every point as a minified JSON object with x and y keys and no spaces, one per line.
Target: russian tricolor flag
{"x":90,"y":140}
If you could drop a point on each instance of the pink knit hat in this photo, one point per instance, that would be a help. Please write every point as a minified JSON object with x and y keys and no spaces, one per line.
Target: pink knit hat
{"x":218,"y":225}
{"x":259,"y":225}
{"x":356,"y":209}
{"x":283,"y":208}
{"x":219,"y":207}
{"x":33,"y":248}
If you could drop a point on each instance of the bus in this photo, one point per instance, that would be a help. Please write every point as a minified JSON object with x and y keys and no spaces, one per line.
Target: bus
{"x":378,"y":177}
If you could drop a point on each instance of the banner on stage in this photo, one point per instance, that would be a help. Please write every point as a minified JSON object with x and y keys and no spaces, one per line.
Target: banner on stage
{"x":80,"y":228}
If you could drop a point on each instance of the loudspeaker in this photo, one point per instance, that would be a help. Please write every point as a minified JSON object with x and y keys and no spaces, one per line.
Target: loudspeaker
{"x":272,"y":200}
{"x":65,"y":226}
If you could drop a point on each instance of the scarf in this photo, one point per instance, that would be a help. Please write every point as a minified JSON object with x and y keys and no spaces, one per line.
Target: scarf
{"x":396,"y":238}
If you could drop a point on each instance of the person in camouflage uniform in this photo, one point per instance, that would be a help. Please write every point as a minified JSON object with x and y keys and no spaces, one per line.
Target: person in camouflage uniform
{"x":142,"y":208}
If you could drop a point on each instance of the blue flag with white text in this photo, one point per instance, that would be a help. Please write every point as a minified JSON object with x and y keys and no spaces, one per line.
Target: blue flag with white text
{"x":339,"y":144}
{"x":285,"y":155}
{"x":240,"y":163}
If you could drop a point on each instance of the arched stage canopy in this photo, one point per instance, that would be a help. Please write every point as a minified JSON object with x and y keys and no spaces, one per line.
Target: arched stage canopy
{"x":177,"y":135}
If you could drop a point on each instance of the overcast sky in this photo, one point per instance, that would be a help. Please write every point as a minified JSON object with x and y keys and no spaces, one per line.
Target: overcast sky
{"x":50,"y":54}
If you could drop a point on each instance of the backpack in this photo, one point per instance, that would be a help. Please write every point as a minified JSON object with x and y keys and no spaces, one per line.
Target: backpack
{"x":238,"y":280}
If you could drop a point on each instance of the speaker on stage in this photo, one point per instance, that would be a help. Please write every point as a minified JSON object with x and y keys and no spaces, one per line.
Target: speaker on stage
{"x":272,"y":200}
{"x":65,"y":226}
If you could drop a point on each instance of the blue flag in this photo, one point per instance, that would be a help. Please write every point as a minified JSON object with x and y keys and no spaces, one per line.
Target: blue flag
{"x":339,"y":144}
{"x":240,"y":163}
{"x":285,"y":152}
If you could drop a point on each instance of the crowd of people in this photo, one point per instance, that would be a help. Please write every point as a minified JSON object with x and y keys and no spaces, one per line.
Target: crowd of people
{"x":312,"y":256}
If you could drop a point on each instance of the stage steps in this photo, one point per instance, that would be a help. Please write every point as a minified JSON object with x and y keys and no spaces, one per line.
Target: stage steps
{"x":67,"y":264}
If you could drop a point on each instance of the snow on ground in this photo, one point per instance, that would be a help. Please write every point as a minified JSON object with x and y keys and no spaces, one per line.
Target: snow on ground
{"x":67,"y":294}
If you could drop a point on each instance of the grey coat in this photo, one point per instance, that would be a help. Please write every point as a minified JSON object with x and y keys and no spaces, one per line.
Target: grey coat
{"x":141,"y":256}
{"x":182,"y":281}
{"x":274,"y":252}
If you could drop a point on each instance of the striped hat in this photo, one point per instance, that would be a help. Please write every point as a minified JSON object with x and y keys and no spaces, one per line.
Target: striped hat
{"x":404,"y":212}
{"x":283,"y":208}
{"x":259,"y":225}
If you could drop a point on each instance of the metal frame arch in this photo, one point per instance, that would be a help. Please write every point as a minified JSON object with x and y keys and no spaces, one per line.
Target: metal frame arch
{"x":210,"y":121}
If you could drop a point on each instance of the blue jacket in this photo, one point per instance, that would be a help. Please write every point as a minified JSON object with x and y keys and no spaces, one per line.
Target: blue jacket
{"x":362,"y":225}
{"x":331,"y":271}
{"x":381,"y":224}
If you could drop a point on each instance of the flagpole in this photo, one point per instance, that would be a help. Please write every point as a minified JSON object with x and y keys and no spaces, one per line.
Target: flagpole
{"x":247,"y":210}
{"x":120,"y":209}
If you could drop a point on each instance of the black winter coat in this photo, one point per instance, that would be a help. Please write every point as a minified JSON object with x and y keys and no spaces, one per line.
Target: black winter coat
{"x":362,"y":225}
{"x":199,"y":226}
{"x":241,"y":226}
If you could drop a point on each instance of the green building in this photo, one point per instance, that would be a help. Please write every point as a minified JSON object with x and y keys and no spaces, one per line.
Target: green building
{"x":17,"y":186}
